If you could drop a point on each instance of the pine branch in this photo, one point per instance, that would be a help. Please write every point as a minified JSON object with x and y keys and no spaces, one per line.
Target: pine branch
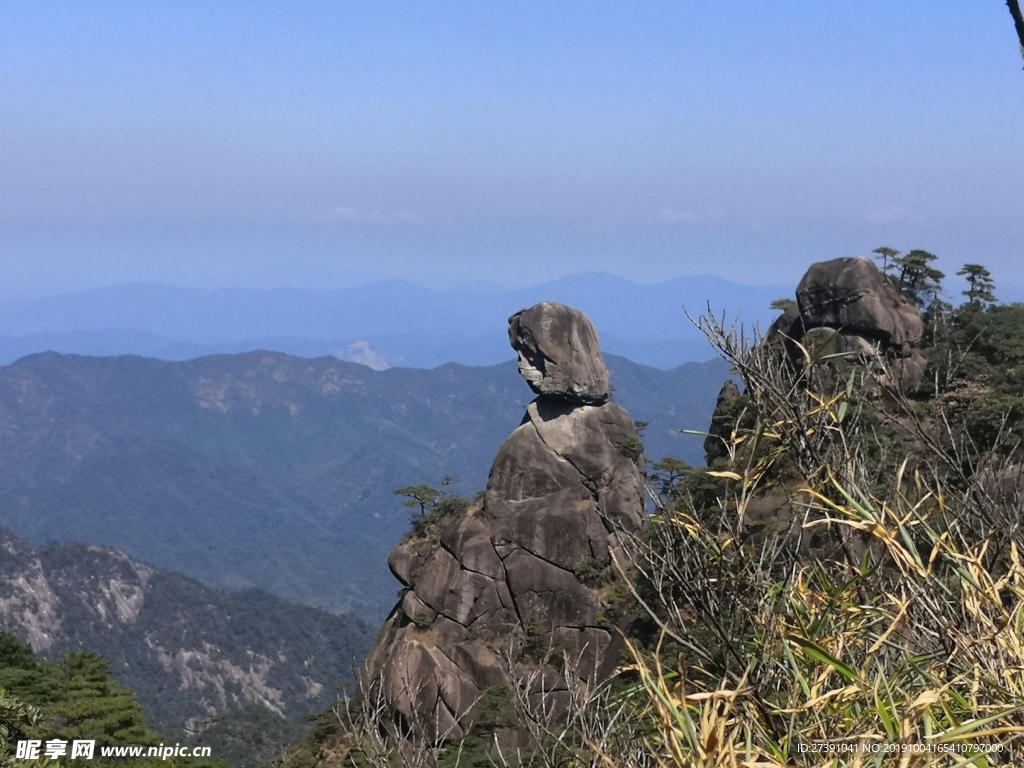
{"x":1018,"y":22}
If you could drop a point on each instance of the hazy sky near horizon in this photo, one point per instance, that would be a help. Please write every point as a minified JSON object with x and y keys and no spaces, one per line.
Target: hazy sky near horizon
{"x":315,"y":143}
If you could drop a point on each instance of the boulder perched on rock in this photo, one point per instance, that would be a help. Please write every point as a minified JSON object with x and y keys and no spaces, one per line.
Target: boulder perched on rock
{"x":848,"y":306}
{"x":559,"y":352}
{"x":847,"y":309}
{"x":853,"y":295}
{"x":518,"y":565}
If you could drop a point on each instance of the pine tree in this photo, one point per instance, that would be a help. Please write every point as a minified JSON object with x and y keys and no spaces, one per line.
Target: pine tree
{"x":17,"y":721}
{"x":980,"y":285}
{"x":917,"y":278}
{"x":25,"y":676}
{"x":888,"y":258}
{"x":94,"y":706}
{"x":422,"y":496}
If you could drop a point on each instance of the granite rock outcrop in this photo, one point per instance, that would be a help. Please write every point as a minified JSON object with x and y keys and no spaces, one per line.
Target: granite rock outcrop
{"x":509,"y":570}
{"x":848,"y":307}
{"x":846,"y":310}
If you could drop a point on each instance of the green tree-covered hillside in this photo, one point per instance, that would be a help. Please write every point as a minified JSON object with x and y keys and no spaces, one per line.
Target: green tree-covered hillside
{"x":188,"y":652}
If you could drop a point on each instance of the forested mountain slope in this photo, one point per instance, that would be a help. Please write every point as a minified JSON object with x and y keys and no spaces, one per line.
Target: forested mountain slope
{"x":267,"y":470}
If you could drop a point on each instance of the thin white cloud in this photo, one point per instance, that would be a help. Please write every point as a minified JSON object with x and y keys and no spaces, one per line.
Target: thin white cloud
{"x":358,"y":215}
{"x":890,"y":215}
{"x":689,"y":216}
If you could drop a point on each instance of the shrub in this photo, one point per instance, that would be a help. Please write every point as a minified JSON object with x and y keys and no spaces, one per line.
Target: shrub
{"x":593,"y":571}
{"x":630,"y":447}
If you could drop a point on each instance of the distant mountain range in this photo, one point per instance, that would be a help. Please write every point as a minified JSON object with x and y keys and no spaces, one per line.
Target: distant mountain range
{"x":383,"y":324}
{"x":274,"y":471}
{"x":190,"y":653}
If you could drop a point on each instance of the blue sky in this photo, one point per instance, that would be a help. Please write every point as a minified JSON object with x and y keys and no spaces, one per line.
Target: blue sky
{"x":318,"y":143}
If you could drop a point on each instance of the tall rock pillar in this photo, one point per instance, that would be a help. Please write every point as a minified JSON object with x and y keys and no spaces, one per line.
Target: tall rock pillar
{"x":562,"y":486}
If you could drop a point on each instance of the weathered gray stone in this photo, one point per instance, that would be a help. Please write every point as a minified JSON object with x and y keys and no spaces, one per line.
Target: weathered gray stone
{"x":910,"y":371}
{"x":621,"y":500}
{"x":435,"y":579}
{"x":788,"y":325}
{"x":482,"y":664}
{"x":415,"y":609}
{"x":559,"y":352}
{"x":847,"y":307}
{"x":406,"y":559}
{"x":592,"y":644}
{"x":555,"y":528}
{"x":466,"y":590}
{"x":494,"y":609}
{"x":851,"y":294}
{"x":821,"y":342}
{"x":588,"y":437}
{"x":525,"y":468}
{"x":472,"y":539}
{"x":548,"y":594}
{"x":420,"y":680}
{"x":411,"y":683}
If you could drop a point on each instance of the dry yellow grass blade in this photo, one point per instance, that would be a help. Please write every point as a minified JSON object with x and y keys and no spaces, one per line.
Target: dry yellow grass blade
{"x":703,"y":729}
{"x":903,"y":606}
{"x":725,"y":474}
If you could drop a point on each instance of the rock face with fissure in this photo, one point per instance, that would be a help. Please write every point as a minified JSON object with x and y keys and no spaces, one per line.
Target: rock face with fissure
{"x":560,"y":490}
{"x":721,"y":426}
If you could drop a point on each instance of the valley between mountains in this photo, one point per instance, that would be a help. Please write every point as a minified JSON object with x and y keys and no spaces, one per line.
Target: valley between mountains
{"x":272,"y":471}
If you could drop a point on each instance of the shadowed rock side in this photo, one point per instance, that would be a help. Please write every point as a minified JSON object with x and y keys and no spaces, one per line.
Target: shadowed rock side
{"x":849,"y":307}
{"x":722,"y":423}
{"x":559,"y":488}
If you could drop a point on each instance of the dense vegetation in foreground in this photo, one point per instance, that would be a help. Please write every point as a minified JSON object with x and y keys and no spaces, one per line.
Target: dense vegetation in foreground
{"x":876,"y":617}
